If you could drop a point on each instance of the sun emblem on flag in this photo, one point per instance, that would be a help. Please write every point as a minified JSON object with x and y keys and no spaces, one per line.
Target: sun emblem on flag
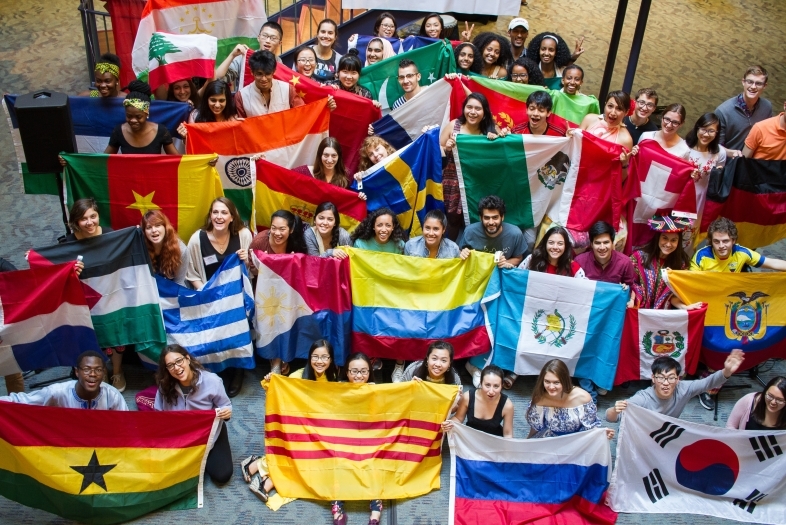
{"x":552,"y":328}
{"x":665,"y":343}
{"x":238,"y":170}
{"x":273,"y":307}
{"x":746,"y":318}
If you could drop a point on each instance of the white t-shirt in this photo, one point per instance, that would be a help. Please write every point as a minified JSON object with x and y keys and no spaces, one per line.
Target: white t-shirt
{"x":680,"y":149}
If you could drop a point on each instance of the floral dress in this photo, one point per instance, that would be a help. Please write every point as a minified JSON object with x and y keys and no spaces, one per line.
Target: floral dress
{"x":551,"y":421}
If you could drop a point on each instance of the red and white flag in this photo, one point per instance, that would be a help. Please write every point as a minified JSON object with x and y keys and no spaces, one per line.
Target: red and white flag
{"x":659,"y":183}
{"x":649,"y":334}
{"x":175,"y":57}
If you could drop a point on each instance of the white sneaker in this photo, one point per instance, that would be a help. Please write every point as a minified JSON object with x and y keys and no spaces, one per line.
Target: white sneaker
{"x":475,"y":372}
{"x":119,"y":382}
{"x":398,"y":373}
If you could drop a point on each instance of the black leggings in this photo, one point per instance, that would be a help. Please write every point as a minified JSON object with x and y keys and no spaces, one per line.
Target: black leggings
{"x":219,"y":460}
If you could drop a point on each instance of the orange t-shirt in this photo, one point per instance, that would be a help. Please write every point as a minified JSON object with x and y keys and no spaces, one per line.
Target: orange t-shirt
{"x":767,"y":139}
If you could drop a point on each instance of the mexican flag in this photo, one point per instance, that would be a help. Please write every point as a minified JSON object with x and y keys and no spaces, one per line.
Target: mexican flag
{"x":433,"y":61}
{"x":128,"y":186}
{"x":175,"y":57}
{"x":498,"y":167}
{"x":650,"y":333}
{"x":288,"y":138}
{"x":231,"y":22}
{"x":119,"y":286}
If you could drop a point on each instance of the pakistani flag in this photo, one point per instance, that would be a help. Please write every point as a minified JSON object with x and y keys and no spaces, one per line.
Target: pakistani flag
{"x":528,"y":171}
{"x":433,"y":63}
{"x":119,"y":286}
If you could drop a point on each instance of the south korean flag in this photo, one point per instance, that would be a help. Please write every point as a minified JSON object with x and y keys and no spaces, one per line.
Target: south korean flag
{"x":666,"y":465}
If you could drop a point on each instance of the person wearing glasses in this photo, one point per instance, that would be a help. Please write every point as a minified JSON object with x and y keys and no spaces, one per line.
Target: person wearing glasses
{"x":88,"y":391}
{"x":184,"y":384}
{"x":668,"y":395}
{"x":767,"y":139}
{"x":738,"y":114}
{"x":269,"y":38}
{"x":265,"y":94}
{"x":305,"y":61}
{"x":671,"y":121}
{"x":639,"y":121}
{"x":409,"y":80}
{"x":761,"y":410}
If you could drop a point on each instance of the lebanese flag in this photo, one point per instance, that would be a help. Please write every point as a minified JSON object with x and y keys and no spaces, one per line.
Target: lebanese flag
{"x":659,"y":183}
{"x":649,"y":334}
{"x":349,"y":121}
{"x":592,"y":190}
{"x":231,"y":22}
{"x":175,"y":57}
{"x":44,"y":319}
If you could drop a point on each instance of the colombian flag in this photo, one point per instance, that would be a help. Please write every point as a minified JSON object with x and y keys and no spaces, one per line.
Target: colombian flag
{"x":402,"y":304}
{"x":128,"y":186}
{"x":279,"y":188}
{"x":745,"y":310}
{"x":102,"y":466}
{"x":344,"y":441}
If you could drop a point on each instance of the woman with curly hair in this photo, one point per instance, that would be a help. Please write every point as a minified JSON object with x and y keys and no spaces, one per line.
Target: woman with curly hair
{"x":379,"y":232}
{"x":372,"y":150}
{"x":525,"y":71}
{"x":326,"y":234}
{"x":167,"y":252}
{"x":552,"y":54}
{"x":495,"y":54}
{"x":467,"y":58}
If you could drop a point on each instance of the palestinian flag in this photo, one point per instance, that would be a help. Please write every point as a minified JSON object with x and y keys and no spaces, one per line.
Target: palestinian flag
{"x":752,"y":193}
{"x":119,"y":286}
{"x":128,"y":186}
{"x":103,"y":466}
{"x":175,"y":57}
{"x":498,"y":167}
{"x":433,"y":61}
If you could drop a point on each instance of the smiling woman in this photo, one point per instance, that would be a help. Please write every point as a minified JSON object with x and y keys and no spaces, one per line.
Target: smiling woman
{"x":138,"y":135}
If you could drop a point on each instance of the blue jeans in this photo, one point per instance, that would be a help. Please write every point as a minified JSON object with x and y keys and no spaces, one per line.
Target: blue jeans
{"x":590,"y":387}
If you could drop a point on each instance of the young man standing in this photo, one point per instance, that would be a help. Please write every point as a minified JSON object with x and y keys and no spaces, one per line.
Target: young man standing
{"x":493,"y":235}
{"x":265,"y":95}
{"x":409,"y":80}
{"x":518,"y":31}
{"x":639,"y":121}
{"x":738,"y":114}
{"x":767,"y":139}
{"x":269,"y":38}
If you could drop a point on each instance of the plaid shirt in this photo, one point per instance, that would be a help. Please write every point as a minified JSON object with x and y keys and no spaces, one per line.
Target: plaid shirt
{"x":740,"y":103}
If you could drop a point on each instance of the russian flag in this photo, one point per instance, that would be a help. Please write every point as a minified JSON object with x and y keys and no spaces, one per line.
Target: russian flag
{"x":44,"y":319}
{"x":537,"y":481}
{"x":299,"y":299}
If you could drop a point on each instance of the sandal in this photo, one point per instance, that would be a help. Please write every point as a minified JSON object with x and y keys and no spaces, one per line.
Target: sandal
{"x":257,"y":486}
{"x":285,"y":369}
{"x":508,"y":380}
{"x":244,"y":467}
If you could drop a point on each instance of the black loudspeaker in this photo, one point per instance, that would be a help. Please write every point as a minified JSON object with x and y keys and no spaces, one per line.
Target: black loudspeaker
{"x":46,"y":129}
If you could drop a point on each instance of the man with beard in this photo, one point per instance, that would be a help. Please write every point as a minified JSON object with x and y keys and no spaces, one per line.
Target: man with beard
{"x":493,"y":235}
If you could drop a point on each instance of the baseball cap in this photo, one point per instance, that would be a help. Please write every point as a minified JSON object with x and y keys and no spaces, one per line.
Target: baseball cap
{"x":518,"y":22}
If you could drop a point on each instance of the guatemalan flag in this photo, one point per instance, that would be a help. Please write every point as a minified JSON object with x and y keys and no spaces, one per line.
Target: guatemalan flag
{"x":214,"y":323}
{"x":538,"y":481}
{"x":44,"y":319}
{"x":534,"y":317}
{"x":299,"y":299}
{"x":667,"y":465}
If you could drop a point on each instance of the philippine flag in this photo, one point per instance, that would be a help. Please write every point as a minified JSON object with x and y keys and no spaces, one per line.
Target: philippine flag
{"x":537,"y":481}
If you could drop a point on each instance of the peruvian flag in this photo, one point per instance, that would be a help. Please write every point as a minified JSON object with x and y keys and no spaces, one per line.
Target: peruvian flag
{"x":659,"y":183}
{"x":175,"y":57}
{"x":592,"y":191}
{"x":649,"y":334}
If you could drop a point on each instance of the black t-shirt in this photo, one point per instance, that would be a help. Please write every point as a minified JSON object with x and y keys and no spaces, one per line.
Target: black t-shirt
{"x":636,"y":131}
{"x":162,"y":138}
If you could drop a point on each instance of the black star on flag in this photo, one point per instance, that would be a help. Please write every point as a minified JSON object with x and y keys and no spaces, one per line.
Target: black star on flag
{"x":93,"y":472}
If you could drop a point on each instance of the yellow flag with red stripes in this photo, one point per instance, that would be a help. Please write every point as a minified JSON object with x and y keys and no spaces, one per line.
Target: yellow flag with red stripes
{"x":345,"y":441}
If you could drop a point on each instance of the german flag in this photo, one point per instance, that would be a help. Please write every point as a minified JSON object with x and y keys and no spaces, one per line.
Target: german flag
{"x":343,"y":441}
{"x":102,"y":466}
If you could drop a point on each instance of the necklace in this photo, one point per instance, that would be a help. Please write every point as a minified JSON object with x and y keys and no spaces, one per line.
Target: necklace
{"x":218,"y":245}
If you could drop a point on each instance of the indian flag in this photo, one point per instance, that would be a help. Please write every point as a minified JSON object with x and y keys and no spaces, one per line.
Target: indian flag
{"x":128,"y":186}
{"x":175,"y":57}
{"x":231,"y":22}
{"x":288,"y":138}
{"x":103,"y":466}
{"x":528,"y":171}
{"x":119,"y":286}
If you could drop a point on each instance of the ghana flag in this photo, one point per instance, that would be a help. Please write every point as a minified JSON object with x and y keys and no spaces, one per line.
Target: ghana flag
{"x":344,"y":441}
{"x":103,"y":466}
{"x":128,"y":186}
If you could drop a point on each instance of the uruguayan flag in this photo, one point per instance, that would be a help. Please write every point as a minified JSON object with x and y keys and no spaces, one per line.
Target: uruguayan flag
{"x":534,"y":317}
{"x":213,"y":323}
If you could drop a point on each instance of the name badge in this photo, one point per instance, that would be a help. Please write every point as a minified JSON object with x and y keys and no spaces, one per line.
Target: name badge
{"x":211,"y":259}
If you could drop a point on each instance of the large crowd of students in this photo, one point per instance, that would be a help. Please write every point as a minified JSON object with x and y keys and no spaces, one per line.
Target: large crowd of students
{"x":741,"y":126}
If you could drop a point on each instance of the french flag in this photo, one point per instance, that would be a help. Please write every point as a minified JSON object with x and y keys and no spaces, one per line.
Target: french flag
{"x":44,"y":319}
{"x":545,"y":481}
{"x":431,"y":107}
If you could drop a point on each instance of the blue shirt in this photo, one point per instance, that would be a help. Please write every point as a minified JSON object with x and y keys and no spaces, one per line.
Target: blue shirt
{"x":416,"y":247}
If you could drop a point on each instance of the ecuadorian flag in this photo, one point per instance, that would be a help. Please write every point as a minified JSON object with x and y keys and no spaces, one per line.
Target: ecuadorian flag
{"x":103,"y":466}
{"x":744,"y":310}
{"x":345,"y":441}
{"x":402,"y":304}
{"x":409,"y":182}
